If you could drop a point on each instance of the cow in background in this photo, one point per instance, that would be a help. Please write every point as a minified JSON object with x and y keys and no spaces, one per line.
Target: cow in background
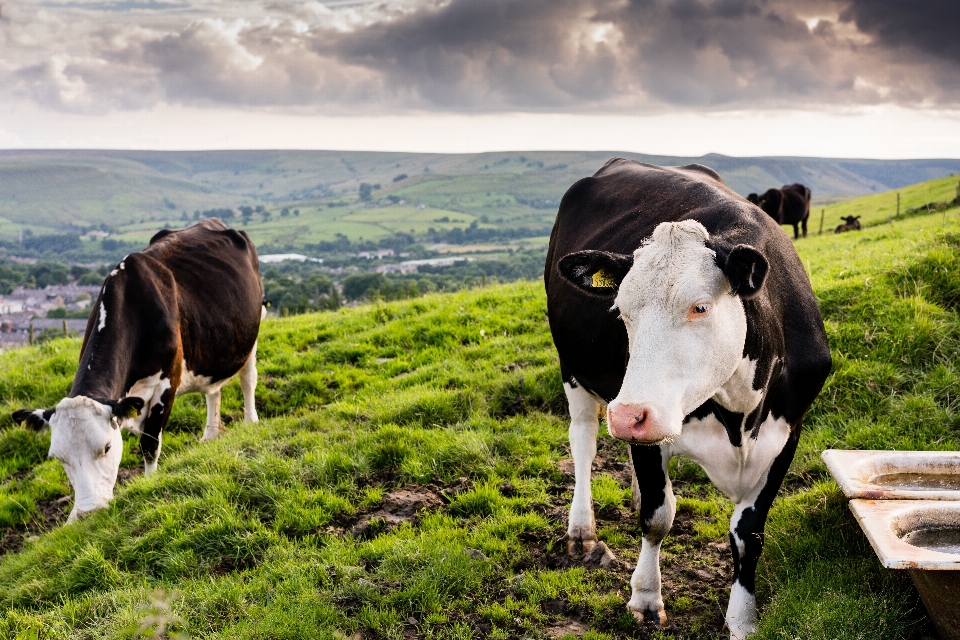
{"x":789,"y":204}
{"x":180,"y":316}
{"x":850,"y":223}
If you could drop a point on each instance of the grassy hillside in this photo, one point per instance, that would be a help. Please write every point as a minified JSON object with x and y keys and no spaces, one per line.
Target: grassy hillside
{"x":410,"y":476}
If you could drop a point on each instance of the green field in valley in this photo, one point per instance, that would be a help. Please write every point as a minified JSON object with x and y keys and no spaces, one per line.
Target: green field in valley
{"x":410,"y":476}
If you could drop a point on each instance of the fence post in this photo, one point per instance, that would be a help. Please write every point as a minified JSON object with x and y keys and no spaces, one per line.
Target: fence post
{"x":31,"y":333}
{"x":822,"y":212}
{"x":64,"y":327}
{"x":898,"y":205}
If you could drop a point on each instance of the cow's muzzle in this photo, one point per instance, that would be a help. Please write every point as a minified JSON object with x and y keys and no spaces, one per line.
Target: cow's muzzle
{"x":639,"y":423}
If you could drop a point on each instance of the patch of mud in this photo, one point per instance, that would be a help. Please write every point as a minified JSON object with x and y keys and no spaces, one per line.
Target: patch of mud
{"x":50,"y":514}
{"x":396,"y":507}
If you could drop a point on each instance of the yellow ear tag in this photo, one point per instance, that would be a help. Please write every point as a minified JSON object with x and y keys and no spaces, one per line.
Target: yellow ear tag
{"x":602,"y":280}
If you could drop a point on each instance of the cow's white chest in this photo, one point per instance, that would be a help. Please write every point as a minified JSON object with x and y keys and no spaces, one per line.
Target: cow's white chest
{"x":192,"y":383}
{"x":733,"y":470}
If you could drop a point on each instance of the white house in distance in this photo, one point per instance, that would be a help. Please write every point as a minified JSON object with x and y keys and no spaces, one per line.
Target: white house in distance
{"x":280,"y":257}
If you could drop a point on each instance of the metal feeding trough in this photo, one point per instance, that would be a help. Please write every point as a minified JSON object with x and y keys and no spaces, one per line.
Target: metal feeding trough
{"x":908,"y":505}
{"x":922,"y":536}
{"x":896,"y":475}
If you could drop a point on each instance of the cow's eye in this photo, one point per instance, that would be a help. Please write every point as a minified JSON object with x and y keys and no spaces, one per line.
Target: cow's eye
{"x":106,"y":449}
{"x":698,"y":310}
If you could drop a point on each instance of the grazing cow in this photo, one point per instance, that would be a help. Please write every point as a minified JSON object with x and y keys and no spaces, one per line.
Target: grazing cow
{"x":850,"y":223}
{"x":687,"y":312}
{"x":180,"y":316}
{"x":788,"y":205}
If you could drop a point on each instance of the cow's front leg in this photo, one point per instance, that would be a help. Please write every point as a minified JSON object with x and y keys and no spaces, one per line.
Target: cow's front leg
{"x":657,"y":508}
{"x":212,"y":429}
{"x":746,"y":543}
{"x":151,"y":431}
{"x":584,"y":422}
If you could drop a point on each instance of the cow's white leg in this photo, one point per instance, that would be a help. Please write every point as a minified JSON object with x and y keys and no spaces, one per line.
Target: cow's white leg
{"x":584,"y":423}
{"x":248,"y":382}
{"x":150,"y":465}
{"x":657,"y":508}
{"x":212,"y":430}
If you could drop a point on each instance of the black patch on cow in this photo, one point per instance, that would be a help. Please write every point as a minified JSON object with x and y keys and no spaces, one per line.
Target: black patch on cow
{"x":596,"y":272}
{"x":30,"y":417}
{"x":648,"y":467}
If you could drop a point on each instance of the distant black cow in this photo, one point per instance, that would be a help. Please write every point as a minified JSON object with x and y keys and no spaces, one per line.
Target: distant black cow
{"x":754,"y":198}
{"x":687,"y":312}
{"x":788,"y":205}
{"x":180,"y":316}
{"x":850,"y":223}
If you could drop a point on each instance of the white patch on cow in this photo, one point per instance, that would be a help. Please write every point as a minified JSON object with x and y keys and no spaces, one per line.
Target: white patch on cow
{"x":192,"y":383}
{"x":584,"y":423}
{"x":737,"y":394}
{"x":84,"y":438}
{"x":741,"y":613}
{"x":151,"y":390}
{"x":119,"y":266}
{"x":39,"y":414}
{"x":677,"y":360}
{"x":735,"y":471}
{"x":103,"y":317}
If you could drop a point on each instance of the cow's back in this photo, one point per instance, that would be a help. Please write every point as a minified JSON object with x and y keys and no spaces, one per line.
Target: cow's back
{"x":219,"y":295}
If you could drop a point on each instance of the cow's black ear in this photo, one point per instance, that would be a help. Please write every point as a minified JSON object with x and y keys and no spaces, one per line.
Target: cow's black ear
{"x":129,"y":407}
{"x":35,"y":418}
{"x":598,"y":272}
{"x":745,"y":268}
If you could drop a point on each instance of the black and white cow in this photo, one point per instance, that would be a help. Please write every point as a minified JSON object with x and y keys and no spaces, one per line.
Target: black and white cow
{"x":686,"y":312}
{"x":180,"y":316}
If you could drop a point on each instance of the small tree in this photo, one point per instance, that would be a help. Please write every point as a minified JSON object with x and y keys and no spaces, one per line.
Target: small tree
{"x":365,"y":190}
{"x":284,"y":212}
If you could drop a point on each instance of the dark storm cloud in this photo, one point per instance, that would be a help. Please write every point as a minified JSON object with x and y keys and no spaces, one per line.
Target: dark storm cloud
{"x":624,"y":56}
{"x":930,"y":26}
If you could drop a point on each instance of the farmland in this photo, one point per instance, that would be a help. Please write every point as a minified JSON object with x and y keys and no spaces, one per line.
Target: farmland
{"x":132,"y":193}
{"x":410,"y":475}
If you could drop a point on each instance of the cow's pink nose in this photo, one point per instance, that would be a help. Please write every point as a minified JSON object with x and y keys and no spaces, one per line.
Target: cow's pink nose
{"x":636,"y":423}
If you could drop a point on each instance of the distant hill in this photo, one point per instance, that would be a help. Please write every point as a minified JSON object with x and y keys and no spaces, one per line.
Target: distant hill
{"x":52,"y":191}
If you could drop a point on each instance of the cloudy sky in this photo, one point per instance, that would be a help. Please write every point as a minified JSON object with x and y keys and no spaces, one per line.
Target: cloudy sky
{"x":866,"y":78}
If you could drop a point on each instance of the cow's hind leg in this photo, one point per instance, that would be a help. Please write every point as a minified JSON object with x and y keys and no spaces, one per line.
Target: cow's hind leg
{"x":212,"y":429}
{"x":657,"y":508}
{"x":248,"y":382}
{"x":746,"y":543}
{"x":804,"y":224}
{"x":584,"y":423}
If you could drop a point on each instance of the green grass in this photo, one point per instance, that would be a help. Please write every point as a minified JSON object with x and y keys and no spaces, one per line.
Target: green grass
{"x":248,"y":536}
{"x":882,"y":207}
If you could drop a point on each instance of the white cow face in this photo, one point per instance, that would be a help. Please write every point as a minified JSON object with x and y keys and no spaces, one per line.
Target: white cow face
{"x":685,"y":325}
{"x":85,"y":437}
